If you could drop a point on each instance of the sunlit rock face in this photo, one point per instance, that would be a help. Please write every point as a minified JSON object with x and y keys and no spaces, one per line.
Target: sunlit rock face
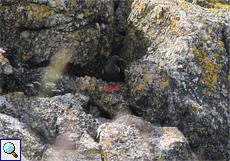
{"x":176,"y":79}
{"x":182,"y":79}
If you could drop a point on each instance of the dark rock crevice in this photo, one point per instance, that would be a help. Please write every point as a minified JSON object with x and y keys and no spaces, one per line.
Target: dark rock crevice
{"x":226,"y":41}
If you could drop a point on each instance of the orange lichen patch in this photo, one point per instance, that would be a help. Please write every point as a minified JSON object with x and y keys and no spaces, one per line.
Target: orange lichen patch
{"x":208,"y":91}
{"x":140,"y":86}
{"x":103,"y":96}
{"x":214,"y":126}
{"x":94,"y":151}
{"x":181,"y":3}
{"x":171,"y":131}
{"x":39,"y":11}
{"x":210,"y":70}
{"x":74,"y":2}
{"x":170,"y":136}
{"x":158,"y":81}
{"x":215,"y":5}
{"x":112,"y":130}
{"x":165,"y":83}
{"x":93,"y":85}
{"x":70,"y":109}
{"x":178,"y":145}
{"x":18,"y":95}
{"x":4,"y":8}
{"x":106,"y":142}
{"x":140,"y":5}
{"x":147,"y":78}
{"x":177,"y":28}
{"x":5,"y":60}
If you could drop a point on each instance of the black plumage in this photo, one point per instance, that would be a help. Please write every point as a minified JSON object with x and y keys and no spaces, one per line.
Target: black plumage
{"x":113,"y":71}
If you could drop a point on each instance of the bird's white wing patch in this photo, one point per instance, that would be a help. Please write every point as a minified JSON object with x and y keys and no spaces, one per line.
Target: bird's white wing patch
{"x":102,"y":71}
{"x":118,"y":69}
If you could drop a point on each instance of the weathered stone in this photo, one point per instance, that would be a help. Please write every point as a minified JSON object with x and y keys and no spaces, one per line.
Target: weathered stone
{"x":36,"y":30}
{"x":182,"y":78}
{"x":50,"y":116}
{"x":69,"y":146}
{"x":177,"y":77}
{"x":32,"y":146}
{"x":132,"y":138}
{"x":5,"y":69}
{"x":110,"y":103}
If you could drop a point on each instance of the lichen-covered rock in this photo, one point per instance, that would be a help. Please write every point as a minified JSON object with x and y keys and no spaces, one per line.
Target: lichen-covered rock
{"x":122,"y":9}
{"x":11,"y":128}
{"x":182,"y":77}
{"x":50,"y":116}
{"x":132,"y":138}
{"x":178,"y":78}
{"x":5,"y":69}
{"x":33,"y":31}
{"x":210,"y":3}
{"x":110,"y":103}
{"x":41,"y":121}
{"x":69,"y":146}
{"x":37,"y":81}
{"x":126,"y":138}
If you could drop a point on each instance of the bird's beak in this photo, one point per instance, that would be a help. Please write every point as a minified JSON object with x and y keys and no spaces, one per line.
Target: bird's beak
{"x":123,"y":62}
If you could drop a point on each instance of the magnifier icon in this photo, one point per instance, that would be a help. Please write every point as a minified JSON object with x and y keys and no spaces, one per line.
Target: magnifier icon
{"x":9,"y":148}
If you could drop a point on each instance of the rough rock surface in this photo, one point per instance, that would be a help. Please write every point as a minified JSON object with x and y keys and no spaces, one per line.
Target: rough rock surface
{"x":33,"y":30}
{"x":110,"y":103}
{"x":131,"y":138}
{"x":177,"y":79}
{"x":12,"y":128}
{"x":41,"y":120}
{"x":183,"y":77}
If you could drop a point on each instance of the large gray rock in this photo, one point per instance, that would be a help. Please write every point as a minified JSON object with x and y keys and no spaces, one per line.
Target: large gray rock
{"x":69,"y":146}
{"x":46,"y":118}
{"x":131,"y":138}
{"x":33,"y":31}
{"x":12,"y":128}
{"x":177,"y":79}
{"x":59,"y":129}
{"x":111,"y":103}
{"x":182,"y":78}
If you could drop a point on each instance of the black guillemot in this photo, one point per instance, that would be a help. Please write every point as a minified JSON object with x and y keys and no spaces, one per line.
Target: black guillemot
{"x":113,"y":71}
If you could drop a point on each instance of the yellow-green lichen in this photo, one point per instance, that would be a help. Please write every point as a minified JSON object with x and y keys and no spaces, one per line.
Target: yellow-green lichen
{"x":94,"y":151}
{"x":39,"y":11}
{"x":214,"y":5}
{"x":165,"y":83}
{"x":210,"y":70}
{"x":181,"y":3}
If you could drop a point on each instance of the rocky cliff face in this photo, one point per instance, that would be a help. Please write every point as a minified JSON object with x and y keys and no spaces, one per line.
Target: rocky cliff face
{"x":177,"y":79}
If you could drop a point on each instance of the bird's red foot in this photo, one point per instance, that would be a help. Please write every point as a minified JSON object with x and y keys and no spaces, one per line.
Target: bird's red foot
{"x":115,"y":88}
{"x":107,"y":88}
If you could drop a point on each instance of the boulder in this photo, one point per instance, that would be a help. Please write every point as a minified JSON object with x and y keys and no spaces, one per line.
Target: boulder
{"x":182,"y":77}
{"x":173,"y":105}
